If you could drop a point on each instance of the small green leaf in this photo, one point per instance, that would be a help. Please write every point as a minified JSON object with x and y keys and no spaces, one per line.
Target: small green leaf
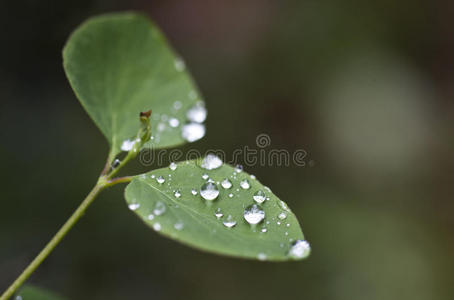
{"x":165,"y":200}
{"x":120,"y":65}
{"x":30,"y":292}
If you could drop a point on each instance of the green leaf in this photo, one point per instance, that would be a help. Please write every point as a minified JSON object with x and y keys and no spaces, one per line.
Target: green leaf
{"x":191,"y":219}
{"x":30,"y":292}
{"x":120,"y":65}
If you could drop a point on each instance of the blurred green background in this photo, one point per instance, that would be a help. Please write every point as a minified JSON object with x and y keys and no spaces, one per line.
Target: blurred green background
{"x":365,"y":87}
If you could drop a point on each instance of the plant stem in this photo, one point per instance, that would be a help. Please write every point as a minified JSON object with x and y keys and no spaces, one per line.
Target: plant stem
{"x":100,"y":185}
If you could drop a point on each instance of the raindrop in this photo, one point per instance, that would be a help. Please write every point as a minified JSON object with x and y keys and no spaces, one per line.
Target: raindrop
{"x":261,"y":256}
{"x":211,"y":162}
{"x":252,"y":176}
{"x":197,"y":113}
{"x":218,"y":213}
{"x":264,"y":230}
{"x":230,"y":195}
{"x":157,"y":226}
{"x":193,"y":131}
{"x":127,"y":145}
{"x":177,"y":105}
{"x":173,"y":122}
{"x":177,"y":194}
{"x":287,"y":225}
{"x":116,"y":163}
{"x":173,"y":166}
{"x":259,"y":196}
{"x":194,"y":192}
{"x":254,"y":214}
{"x":133,"y":205}
{"x":160,"y":180}
{"x":278,"y":223}
{"x":180,"y":65}
{"x":150,"y":217}
{"x":299,"y":249}
{"x":178,"y":226}
{"x":245,"y":184}
{"x":226,"y":183}
{"x":238,"y":168}
{"x":209,"y":191}
{"x":282,"y":216}
{"x":159,"y":208}
{"x":229,"y":222}
{"x":205,"y":176}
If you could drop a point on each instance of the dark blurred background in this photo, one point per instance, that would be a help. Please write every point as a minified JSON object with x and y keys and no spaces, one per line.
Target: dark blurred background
{"x":365,"y":87}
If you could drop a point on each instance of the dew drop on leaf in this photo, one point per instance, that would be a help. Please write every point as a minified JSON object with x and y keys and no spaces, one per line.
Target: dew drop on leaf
{"x":254,"y":214}
{"x":134,"y":206}
{"x":226,"y":183}
{"x":211,"y":162}
{"x":229,"y":222}
{"x":238,"y":168}
{"x":209,"y":191}
{"x":299,"y":249}
{"x":174,"y":122}
{"x":194,"y":192}
{"x":197,"y":113}
{"x":192,"y":132}
{"x":218,"y":214}
{"x":178,"y":226}
{"x":173,"y":166}
{"x":259,"y":196}
{"x":157,"y":226}
{"x":177,"y":194}
{"x":160,"y":180}
{"x":245,"y":184}
{"x":282,"y":216}
{"x":261,"y":256}
{"x":159,"y":208}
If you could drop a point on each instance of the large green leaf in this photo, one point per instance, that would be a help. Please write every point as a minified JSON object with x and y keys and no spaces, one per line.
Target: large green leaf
{"x":119,"y":65}
{"x":30,"y":292}
{"x":173,"y":210}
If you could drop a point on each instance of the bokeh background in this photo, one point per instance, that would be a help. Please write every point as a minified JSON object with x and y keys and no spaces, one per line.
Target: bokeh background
{"x":365,"y":87}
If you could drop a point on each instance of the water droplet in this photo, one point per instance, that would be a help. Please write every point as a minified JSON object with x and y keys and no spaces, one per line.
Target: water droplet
{"x":197,"y":113}
{"x":229,"y":222}
{"x":254,"y":214}
{"x":245,"y":184}
{"x":180,"y":65}
{"x":299,"y":249}
{"x":259,"y":196}
{"x":174,"y":122}
{"x":287,"y":225}
{"x":267,"y":189}
{"x":115,"y":163}
{"x":177,"y":105}
{"x":159,"y":208}
{"x":157,"y":226}
{"x":284,"y":206}
{"x":178,"y":225}
{"x":238,"y":168}
{"x":152,"y":176}
{"x":264,"y":230}
{"x":177,"y":194}
{"x":261,"y":256}
{"x":211,"y":162}
{"x":282,"y":216}
{"x":173,"y":166}
{"x":226,"y":183}
{"x":252,"y":176}
{"x":286,"y":233}
{"x":278,"y":223}
{"x":205,"y":176}
{"x":133,"y":205}
{"x":218,"y":213}
{"x":209,"y":191}
{"x":193,"y":131}
{"x":194,"y":192}
{"x":160,"y":180}
{"x":150,"y":217}
{"x":230,"y":195}
{"x":127,"y":145}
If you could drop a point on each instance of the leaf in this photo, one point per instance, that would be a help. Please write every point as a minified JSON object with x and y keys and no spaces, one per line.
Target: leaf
{"x":119,"y":65}
{"x":191,"y":219}
{"x":30,"y":292}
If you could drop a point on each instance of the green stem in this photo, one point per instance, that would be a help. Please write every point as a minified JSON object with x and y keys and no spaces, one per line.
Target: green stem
{"x":102,"y":183}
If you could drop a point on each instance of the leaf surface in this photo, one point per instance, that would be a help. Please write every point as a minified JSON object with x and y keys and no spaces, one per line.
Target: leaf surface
{"x":119,"y":65}
{"x":174,"y":211}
